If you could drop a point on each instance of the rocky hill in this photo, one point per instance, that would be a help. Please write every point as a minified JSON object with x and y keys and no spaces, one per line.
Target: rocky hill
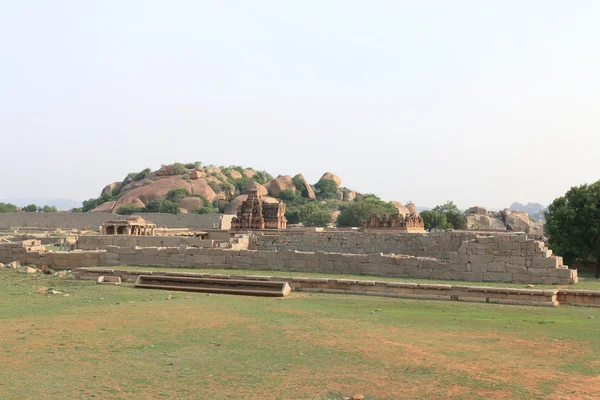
{"x":197,"y":188}
{"x":479,"y":218}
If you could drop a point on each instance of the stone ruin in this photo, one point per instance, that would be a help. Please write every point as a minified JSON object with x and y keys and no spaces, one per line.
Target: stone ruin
{"x":411,"y":223}
{"x":256,"y":214}
{"x":134,"y":226}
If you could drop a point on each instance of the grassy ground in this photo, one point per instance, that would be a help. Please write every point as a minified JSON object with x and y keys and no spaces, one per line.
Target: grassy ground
{"x":587,"y":281}
{"x":120,"y":342}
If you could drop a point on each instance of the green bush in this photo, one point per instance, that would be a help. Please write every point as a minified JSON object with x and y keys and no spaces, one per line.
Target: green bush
{"x":141,"y":175}
{"x":179,"y":168}
{"x":454,"y":217}
{"x":215,"y":187}
{"x":190,"y":166}
{"x":48,"y":209}
{"x":162,"y":206}
{"x":8,"y":208}
{"x":129,"y":209}
{"x":175,"y":195}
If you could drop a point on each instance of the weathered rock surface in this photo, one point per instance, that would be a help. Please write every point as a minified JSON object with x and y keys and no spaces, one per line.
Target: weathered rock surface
{"x":249,"y":173}
{"x":235,"y":174}
{"x":255,"y":185}
{"x":308,"y":191}
{"x":277,"y":185}
{"x":108,"y":189}
{"x":156,"y":191}
{"x":191,"y":203}
{"x":477,"y":210}
{"x":333,"y":177}
{"x":105,"y":207}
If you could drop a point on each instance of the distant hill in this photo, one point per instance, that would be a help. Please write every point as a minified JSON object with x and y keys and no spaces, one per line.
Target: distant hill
{"x":61,"y":204}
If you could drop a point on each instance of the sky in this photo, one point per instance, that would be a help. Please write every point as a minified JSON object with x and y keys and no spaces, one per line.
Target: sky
{"x":479,"y":102}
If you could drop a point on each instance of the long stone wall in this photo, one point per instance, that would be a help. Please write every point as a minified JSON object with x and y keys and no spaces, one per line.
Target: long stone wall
{"x":436,"y":244}
{"x":65,"y":220}
{"x":101,"y":241}
{"x":499,"y":259}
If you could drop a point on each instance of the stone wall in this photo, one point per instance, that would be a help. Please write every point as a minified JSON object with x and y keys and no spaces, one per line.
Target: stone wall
{"x":34,"y":254}
{"x":498,"y":259}
{"x":101,"y":241}
{"x":435,"y":244}
{"x":65,"y":220}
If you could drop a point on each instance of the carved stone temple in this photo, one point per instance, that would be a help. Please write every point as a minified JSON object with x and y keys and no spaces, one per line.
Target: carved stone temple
{"x":411,"y":223}
{"x":136,"y":226}
{"x":254,"y":213}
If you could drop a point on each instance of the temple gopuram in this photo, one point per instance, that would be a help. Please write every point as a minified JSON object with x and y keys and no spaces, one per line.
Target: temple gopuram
{"x":396,"y":222}
{"x":136,"y":226}
{"x":256,"y":214}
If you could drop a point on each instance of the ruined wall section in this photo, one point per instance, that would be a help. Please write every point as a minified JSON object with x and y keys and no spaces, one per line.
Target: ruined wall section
{"x":101,"y":241}
{"x":30,"y":252}
{"x":435,"y":244}
{"x":497,"y":259}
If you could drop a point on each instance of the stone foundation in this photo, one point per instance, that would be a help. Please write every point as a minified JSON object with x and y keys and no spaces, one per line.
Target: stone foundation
{"x":480,"y":294}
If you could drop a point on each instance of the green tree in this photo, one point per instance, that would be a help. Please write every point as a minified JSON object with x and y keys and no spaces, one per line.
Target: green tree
{"x":31,"y":208}
{"x":573,"y":224}
{"x":162,"y":206}
{"x":313,"y":214}
{"x":326,"y":188}
{"x":48,"y":209}
{"x":454,"y":217}
{"x":435,"y":220}
{"x":7,"y":208}
{"x":358,"y":212}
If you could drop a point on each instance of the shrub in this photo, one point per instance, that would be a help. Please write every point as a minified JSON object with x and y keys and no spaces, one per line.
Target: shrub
{"x":31,"y":208}
{"x":140,"y":175}
{"x":179,"y":168}
{"x":190,"y":166}
{"x":47,"y":209}
{"x":162,"y":206}
{"x":262,"y":177}
{"x":215,"y":186}
{"x":175,"y":195}
{"x":129,"y":209}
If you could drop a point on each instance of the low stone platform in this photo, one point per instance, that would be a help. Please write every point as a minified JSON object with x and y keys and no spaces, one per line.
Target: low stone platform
{"x":212,"y":285}
{"x":481,"y":294}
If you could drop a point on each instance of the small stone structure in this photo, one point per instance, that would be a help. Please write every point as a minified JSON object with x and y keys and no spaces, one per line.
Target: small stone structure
{"x":256,"y":214}
{"x":410,"y":223}
{"x":136,"y":226}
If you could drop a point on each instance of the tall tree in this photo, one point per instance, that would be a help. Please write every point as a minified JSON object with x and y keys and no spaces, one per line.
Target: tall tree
{"x":573,"y":224}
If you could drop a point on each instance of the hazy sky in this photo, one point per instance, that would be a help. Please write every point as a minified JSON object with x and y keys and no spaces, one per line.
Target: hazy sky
{"x":480,"y":102}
